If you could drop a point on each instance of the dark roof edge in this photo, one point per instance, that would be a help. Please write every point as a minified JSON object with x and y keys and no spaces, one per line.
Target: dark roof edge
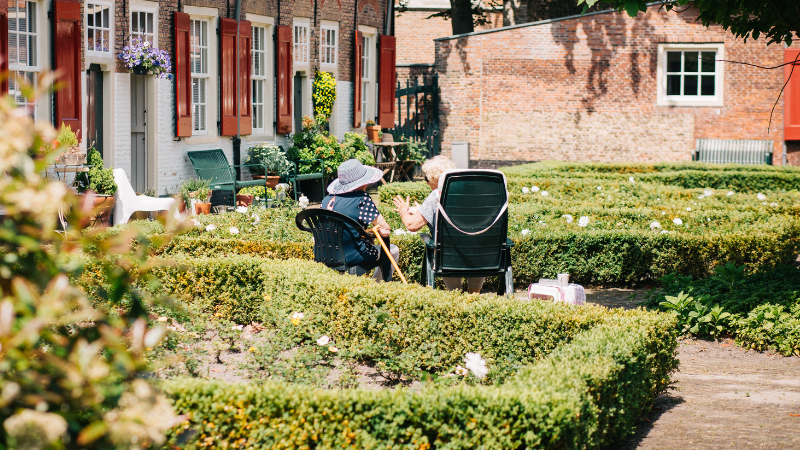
{"x":533,"y":24}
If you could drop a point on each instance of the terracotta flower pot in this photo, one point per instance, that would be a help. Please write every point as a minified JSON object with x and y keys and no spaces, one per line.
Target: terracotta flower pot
{"x":202,"y":208}
{"x":373,"y":133}
{"x":244,"y":199}
{"x":103,"y":204}
{"x":273,"y":181}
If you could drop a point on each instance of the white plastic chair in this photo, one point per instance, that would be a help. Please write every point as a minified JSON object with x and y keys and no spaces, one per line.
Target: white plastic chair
{"x":127,"y":202}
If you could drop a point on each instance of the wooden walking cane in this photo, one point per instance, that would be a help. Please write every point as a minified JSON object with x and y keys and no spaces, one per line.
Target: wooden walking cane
{"x":383,"y":246}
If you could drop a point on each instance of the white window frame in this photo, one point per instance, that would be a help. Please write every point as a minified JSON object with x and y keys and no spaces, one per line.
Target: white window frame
{"x":137,"y":9}
{"x":301,"y":51}
{"x":328,"y":51}
{"x":691,"y":100}
{"x":369,"y":66}
{"x":111,"y":50}
{"x":265,"y":79}
{"x":30,"y":69}
{"x":201,"y":76}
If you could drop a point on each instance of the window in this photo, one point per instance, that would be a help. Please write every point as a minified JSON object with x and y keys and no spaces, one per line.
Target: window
{"x":327,"y":45}
{"x":366,"y":71}
{"x":98,"y":28}
{"x":143,"y":26}
{"x":259,"y":75}
{"x":200,"y":76}
{"x":690,"y":75}
{"x":300,"y":43}
{"x":22,"y":55}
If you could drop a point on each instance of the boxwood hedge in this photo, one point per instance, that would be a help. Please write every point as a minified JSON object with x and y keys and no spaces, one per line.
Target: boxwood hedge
{"x":588,"y":373}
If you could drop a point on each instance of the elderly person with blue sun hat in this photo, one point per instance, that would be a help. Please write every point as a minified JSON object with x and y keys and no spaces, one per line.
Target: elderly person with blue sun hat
{"x":348,"y":195}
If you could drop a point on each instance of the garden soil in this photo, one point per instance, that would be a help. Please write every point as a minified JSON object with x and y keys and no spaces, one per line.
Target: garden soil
{"x":724,"y":397}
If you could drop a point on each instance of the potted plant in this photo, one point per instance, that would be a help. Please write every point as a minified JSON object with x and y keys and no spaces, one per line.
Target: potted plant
{"x":373,"y":131}
{"x":273,"y":160}
{"x":141,"y":58}
{"x":255,"y":195}
{"x":100,"y":182}
{"x":73,"y":155}
{"x":196,"y":195}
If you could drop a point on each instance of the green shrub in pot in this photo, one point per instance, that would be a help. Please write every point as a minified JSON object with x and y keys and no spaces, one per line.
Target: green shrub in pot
{"x":271,"y":156}
{"x":99,"y":179}
{"x":199,"y":190}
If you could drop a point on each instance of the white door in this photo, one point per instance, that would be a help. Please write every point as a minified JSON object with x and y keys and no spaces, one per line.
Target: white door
{"x":138,"y":134}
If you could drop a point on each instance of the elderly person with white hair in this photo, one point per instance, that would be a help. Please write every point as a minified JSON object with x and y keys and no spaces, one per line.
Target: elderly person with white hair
{"x":417,"y":216}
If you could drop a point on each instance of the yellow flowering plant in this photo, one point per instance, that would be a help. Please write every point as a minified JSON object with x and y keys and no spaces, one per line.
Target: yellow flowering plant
{"x":324,"y":95}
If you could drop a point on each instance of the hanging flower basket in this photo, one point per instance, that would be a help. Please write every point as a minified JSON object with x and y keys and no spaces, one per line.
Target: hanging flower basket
{"x":142,"y":58}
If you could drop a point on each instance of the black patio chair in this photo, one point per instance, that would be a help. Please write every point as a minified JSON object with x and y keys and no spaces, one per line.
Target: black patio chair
{"x":330,"y":229}
{"x":471,"y":238}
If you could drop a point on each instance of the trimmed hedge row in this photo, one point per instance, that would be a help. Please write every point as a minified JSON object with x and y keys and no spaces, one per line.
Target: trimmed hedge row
{"x":744,"y":178}
{"x":594,"y":372}
{"x":375,"y":320}
{"x":586,"y":394}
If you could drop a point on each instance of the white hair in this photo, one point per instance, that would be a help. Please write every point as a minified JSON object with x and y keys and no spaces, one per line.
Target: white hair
{"x":436,"y":166}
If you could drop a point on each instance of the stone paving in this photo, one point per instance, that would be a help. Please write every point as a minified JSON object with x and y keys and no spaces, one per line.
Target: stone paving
{"x":725,"y":397}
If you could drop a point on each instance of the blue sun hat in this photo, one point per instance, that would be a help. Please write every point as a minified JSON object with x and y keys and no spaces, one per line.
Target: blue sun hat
{"x":353,"y":175}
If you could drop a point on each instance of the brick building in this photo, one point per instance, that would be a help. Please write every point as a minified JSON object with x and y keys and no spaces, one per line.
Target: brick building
{"x":415,"y":33}
{"x":607,"y":87}
{"x":146,"y":125}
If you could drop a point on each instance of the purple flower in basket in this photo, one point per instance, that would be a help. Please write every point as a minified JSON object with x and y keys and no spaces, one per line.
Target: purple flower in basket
{"x":142,"y":54}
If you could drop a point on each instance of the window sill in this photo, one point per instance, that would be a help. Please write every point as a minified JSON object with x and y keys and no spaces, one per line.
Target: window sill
{"x":690,"y":103}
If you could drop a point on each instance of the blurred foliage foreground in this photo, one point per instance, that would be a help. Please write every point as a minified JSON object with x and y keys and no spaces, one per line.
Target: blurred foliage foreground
{"x":70,"y":375}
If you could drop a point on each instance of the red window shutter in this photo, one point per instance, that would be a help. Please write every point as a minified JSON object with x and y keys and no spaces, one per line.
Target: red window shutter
{"x":245,"y":78}
{"x":388,"y":79}
{"x":4,"y":48}
{"x":284,"y":93}
{"x":227,"y":79}
{"x":67,"y":32}
{"x":791,"y":112}
{"x":359,"y":51}
{"x":183,"y":76}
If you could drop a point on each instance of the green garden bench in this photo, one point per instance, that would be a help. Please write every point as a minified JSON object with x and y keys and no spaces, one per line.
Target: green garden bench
{"x":213,"y":165}
{"x":734,"y":151}
{"x":471,"y":238}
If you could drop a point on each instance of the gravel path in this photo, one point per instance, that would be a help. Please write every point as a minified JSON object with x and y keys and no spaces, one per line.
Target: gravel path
{"x":725,"y":397}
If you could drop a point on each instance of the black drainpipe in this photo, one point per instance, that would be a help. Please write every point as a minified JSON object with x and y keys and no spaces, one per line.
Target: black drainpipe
{"x":237,"y":141}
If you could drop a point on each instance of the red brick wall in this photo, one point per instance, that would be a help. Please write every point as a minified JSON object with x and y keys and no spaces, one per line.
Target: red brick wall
{"x":585,"y":90}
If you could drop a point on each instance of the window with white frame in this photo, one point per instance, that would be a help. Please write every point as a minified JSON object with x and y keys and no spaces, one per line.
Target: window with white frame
{"x":366,"y":72}
{"x":200,"y":74}
{"x":143,"y":26}
{"x":23,"y":37}
{"x":328,"y":45}
{"x":98,"y":28}
{"x":301,"y":42}
{"x":259,"y":76}
{"x":690,"y":75}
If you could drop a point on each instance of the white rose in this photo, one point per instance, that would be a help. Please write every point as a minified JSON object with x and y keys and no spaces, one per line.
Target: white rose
{"x":631,"y":179}
{"x":729,"y":193}
{"x":476,"y":365}
{"x":211,"y":227}
{"x":525,"y":190}
{"x":234,"y":230}
{"x":323,"y":340}
{"x":303,"y":202}
{"x":525,"y":231}
{"x":655,"y":225}
{"x":241,"y":209}
{"x":545,"y":193}
{"x":677,"y":221}
{"x":761,"y":197}
{"x":568,"y":217}
{"x":708,"y":192}
{"x":535,"y":189}
{"x":584,"y":221}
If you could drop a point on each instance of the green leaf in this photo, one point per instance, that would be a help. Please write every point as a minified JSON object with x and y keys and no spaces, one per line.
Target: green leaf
{"x":632,"y":8}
